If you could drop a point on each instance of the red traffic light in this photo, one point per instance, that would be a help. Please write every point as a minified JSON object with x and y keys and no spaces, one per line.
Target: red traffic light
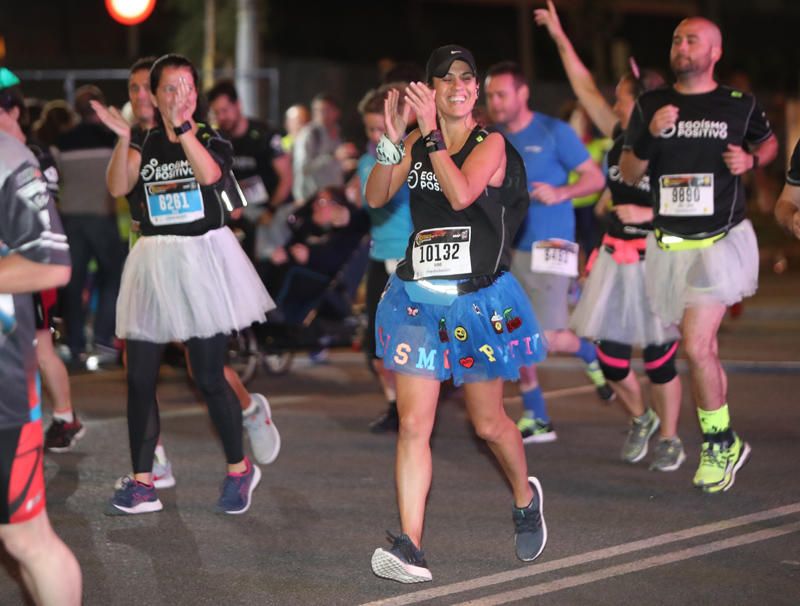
{"x":130,"y":12}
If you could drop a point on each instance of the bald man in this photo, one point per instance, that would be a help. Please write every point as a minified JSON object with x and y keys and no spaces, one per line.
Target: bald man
{"x":696,"y":138}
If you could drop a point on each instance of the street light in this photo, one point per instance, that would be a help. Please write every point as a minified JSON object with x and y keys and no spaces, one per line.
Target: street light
{"x":130,"y":12}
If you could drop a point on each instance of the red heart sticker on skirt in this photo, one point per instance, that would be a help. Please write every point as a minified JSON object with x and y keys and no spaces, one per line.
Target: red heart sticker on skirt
{"x":467,"y":362}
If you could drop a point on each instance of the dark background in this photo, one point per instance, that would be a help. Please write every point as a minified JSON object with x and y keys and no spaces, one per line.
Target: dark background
{"x":338,"y":45}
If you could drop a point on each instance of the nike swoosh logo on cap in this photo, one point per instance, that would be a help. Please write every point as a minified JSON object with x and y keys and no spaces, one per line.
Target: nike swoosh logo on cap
{"x":454,"y":52}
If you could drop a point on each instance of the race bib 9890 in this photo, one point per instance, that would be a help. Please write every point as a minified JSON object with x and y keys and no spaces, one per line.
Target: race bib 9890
{"x":689,"y":195}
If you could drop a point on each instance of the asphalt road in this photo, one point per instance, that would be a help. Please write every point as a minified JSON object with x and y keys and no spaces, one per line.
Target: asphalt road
{"x":618,"y":533}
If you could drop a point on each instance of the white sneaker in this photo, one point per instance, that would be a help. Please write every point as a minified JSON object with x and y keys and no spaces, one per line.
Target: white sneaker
{"x":162,"y":475}
{"x":264,"y":437}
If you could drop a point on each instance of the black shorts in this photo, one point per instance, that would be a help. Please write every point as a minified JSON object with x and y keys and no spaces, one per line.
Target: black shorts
{"x":21,"y":473}
{"x":44,"y":302}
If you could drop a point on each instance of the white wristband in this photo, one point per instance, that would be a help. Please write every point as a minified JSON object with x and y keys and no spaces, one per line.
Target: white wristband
{"x":388,"y":153}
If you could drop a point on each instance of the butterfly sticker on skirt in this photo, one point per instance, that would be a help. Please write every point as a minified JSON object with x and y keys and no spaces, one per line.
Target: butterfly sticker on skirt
{"x":412,"y":311}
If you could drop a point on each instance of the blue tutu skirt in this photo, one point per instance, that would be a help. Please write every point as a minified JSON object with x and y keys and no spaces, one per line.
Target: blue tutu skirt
{"x":424,"y":328}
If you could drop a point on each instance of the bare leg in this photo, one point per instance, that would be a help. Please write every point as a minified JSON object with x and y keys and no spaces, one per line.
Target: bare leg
{"x":54,"y":373}
{"x":49,"y":569}
{"x":528,"y":380}
{"x":562,"y":341}
{"x":630,"y":394}
{"x":488,"y":415}
{"x":699,"y":327}
{"x":667,"y":402}
{"x":417,"y":398}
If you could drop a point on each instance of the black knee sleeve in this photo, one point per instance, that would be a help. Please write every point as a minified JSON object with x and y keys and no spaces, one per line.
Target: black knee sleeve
{"x":659,"y":362}
{"x":615,"y":359}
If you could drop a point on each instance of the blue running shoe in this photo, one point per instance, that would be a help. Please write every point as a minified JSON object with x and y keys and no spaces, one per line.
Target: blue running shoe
{"x":133,"y":497}
{"x":530,"y":531}
{"x":237,"y":490}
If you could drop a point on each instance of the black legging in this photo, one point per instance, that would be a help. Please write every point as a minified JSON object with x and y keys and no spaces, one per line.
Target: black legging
{"x":207,"y":357}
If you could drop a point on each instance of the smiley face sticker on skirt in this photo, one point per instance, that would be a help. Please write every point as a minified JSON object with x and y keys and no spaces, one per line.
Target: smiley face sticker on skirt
{"x":460,"y":333}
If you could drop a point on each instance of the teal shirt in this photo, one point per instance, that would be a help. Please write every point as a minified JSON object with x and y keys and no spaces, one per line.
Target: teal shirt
{"x":391,"y":224}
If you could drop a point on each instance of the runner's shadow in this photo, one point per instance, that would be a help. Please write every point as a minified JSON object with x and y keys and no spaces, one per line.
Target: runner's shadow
{"x":171,"y":548}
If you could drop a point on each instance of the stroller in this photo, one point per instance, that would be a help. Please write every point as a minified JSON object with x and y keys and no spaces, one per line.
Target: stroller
{"x":314,"y":311}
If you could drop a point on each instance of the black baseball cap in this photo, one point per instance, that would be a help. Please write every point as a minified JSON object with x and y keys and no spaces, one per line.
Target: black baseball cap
{"x":442,"y":58}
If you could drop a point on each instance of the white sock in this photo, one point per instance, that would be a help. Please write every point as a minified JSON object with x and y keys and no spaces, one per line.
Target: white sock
{"x":250,"y":409}
{"x":67,"y":417}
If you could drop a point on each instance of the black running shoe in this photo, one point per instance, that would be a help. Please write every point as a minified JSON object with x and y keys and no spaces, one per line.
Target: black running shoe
{"x":605,"y":393}
{"x":387,"y":422}
{"x":62,"y":436}
{"x":530,"y":531}
{"x":403,"y":563}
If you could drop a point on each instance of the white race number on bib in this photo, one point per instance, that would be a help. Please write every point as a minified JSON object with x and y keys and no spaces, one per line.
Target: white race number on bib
{"x":689,"y":195}
{"x":555,"y":256}
{"x":174,"y":202}
{"x":442,"y":251}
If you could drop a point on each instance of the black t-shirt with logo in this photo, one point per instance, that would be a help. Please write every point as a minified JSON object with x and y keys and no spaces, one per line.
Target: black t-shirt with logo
{"x":167,"y":199}
{"x":253,"y":155}
{"x":694,"y":192}
{"x":622,"y":193}
{"x":460,"y":244}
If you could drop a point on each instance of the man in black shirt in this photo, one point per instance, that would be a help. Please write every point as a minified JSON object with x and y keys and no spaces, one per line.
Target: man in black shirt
{"x":697,"y":138}
{"x":260,"y":165}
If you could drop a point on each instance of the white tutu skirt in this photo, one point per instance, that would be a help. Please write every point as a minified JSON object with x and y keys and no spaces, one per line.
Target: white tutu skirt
{"x":614,"y":306}
{"x":725,"y":272}
{"x":178,"y":287}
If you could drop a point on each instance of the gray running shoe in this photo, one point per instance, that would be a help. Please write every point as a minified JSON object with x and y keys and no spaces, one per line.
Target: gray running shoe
{"x":404,"y":562}
{"x":264,"y":437}
{"x":635,"y":447}
{"x":669,"y":455}
{"x":530,"y":530}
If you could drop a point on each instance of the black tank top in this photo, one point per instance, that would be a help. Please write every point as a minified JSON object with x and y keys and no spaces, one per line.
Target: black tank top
{"x":472,"y":242}
{"x":622,"y":193}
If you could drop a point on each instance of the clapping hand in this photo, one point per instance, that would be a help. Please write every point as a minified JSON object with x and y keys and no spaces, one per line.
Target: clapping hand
{"x":396,"y":122}
{"x":422,"y":100}
{"x":112,"y":118}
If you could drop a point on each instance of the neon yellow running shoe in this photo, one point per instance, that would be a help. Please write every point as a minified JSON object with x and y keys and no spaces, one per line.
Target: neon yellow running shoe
{"x":536,"y":431}
{"x":719,"y":464}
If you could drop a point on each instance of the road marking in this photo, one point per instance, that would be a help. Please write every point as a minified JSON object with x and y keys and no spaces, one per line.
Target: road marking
{"x":585,"y":558}
{"x":636,"y":566}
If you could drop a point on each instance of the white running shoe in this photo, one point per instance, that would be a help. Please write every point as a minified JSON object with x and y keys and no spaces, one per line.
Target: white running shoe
{"x":264,"y":437}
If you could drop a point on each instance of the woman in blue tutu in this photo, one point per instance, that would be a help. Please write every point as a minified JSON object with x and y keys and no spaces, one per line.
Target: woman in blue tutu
{"x":452,"y":310}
